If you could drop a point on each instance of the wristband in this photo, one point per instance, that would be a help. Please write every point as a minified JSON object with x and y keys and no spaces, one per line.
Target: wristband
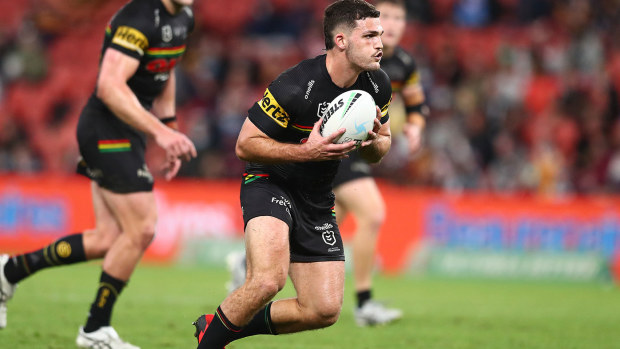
{"x":168,"y":119}
{"x":418,"y":108}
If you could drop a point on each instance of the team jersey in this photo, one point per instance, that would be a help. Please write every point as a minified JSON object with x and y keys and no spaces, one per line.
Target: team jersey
{"x":401,"y":69}
{"x":146,"y":31}
{"x":293,"y":103}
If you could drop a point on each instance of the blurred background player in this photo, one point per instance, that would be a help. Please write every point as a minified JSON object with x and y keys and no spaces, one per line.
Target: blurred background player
{"x":356,"y":190}
{"x":142,"y":44}
{"x":286,"y":195}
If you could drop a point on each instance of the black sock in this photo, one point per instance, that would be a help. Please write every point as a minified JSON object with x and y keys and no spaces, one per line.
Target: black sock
{"x":67,"y":250}
{"x":363,"y":297}
{"x":101,"y":309}
{"x":221,"y":331}
{"x":260,"y":324}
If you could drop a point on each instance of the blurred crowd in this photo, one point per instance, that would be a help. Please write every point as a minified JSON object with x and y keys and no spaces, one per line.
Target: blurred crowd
{"x":523,"y":93}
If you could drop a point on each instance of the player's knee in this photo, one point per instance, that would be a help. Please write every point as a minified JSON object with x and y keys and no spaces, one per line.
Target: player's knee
{"x":99,"y":240}
{"x":268,"y":285}
{"x":373,"y":220}
{"x":326,"y":315}
{"x":146,"y":235}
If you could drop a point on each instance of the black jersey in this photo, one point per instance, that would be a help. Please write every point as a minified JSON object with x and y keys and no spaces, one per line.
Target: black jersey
{"x":145,"y":30}
{"x":294,"y":102}
{"x":401,"y":69}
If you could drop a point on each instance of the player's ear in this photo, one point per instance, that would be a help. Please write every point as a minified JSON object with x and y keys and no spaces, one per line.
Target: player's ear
{"x":341,"y":41}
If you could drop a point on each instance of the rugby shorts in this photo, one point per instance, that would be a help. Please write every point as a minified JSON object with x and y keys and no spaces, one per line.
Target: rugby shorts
{"x":352,"y":168}
{"x":112,"y":153}
{"x":313,"y":232}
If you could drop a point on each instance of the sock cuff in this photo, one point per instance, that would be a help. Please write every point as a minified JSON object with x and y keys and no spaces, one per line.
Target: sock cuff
{"x":270,"y":325}
{"x":114,"y":284}
{"x":229,"y":325}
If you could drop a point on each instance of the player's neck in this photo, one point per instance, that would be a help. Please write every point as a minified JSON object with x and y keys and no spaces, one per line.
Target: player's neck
{"x":340,"y":70}
{"x":172,"y":7}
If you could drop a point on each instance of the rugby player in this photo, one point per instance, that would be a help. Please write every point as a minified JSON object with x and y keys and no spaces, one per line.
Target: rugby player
{"x":355,"y":189}
{"x":286,"y":192}
{"x":134,"y":98}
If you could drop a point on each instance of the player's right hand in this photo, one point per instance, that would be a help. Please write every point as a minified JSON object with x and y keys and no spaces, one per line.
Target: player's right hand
{"x":176,"y":145}
{"x":321,"y":148}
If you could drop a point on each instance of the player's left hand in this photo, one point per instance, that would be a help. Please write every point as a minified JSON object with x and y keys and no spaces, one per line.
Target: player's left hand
{"x":171,"y":168}
{"x":372,"y":135}
{"x":413,"y":132}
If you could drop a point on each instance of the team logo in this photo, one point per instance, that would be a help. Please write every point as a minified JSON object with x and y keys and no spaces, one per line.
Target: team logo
{"x":322,"y":108}
{"x":63,"y":249}
{"x":166,"y":33}
{"x":329,"y":237}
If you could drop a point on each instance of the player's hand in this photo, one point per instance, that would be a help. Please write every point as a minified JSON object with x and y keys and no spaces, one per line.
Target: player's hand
{"x":171,"y":168}
{"x":319,"y":148}
{"x":413,"y":132}
{"x":176,"y":145}
{"x":372,"y":135}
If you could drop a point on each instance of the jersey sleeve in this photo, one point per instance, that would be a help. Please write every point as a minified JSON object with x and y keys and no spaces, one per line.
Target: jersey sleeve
{"x":130,"y":30}
{"x":413,"y":76}
{"x":385,"y":95}
{"x":273,"y":113}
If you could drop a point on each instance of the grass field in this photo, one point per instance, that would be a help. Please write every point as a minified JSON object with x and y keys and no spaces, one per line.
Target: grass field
{"x":158,"y":306}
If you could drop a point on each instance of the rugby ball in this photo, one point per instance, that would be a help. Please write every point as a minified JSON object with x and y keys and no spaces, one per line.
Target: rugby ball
{"x":355,"y":111}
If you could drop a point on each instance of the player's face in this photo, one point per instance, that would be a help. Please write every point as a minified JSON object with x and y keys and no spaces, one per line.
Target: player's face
{"x":393,"y":19}
{"x":365,"y":48}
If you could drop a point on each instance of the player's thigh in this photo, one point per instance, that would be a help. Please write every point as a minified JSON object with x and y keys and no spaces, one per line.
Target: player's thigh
{"x":135,"y":212}
{"x":267,"y":247}
{"x":319,"y":285}
{"x":105,"y":222}
{"x":362,"y":198}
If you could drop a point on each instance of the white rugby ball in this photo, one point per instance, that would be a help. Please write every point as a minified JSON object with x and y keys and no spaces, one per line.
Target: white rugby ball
{"x":355,"y":111}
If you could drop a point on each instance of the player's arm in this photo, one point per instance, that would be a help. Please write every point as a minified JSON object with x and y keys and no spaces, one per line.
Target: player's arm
{"x":379,"y":141}
{"x":413,"y":97}
{"x":253,"y":145}
{"x":164,"y":106}
{"x":112,"y":89}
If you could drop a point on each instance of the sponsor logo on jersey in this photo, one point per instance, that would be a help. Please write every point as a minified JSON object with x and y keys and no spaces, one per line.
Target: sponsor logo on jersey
{"x":374,"y":85}
{"x":271,"y":107}
{"x":325,"y":226}
{"x":166,"y":33}
{"x":145,"y":173}
{"x":156,"y":14}
{"x":310,"y":84}
{"x":131,"y":39}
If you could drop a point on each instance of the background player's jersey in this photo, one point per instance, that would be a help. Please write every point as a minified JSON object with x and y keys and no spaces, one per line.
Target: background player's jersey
{"x":401,"y":69}
{"x":294,"y":102}
{"x":145,"y":30}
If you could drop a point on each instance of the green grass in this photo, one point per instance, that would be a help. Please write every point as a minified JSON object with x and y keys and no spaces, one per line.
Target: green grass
{"x":158,"y":306}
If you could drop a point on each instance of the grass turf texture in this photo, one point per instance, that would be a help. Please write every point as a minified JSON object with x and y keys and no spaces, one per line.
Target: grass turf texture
{"x":159,"y":304}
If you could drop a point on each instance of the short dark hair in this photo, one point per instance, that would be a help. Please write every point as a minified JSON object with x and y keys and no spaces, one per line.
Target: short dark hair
{"x":345,"y":12}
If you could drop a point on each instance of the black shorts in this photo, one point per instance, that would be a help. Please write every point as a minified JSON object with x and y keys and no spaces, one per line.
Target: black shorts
{"x":313,"y":232}
{"x":112,"y":153}
{"x":351,"y":168}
